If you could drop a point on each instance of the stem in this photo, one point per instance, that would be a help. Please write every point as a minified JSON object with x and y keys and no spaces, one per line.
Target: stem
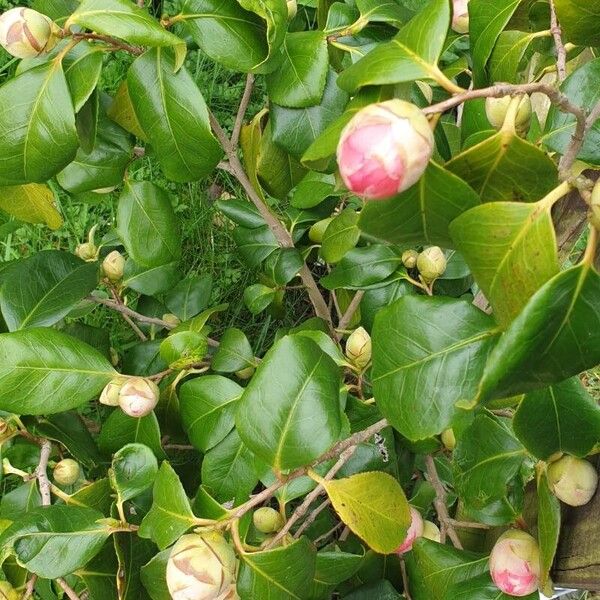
{"x":117,"y":44}
{"x":311,"y":518}
{"x":561,"y":53}
{"x":590,"y":250}
{"x":352,"y":308}
{"x":581,"y":128}
{"x":446,"y":83}
{"x":127,"y":318}
{"x":239,"y":119}
{"x":67,"y":589}
{"x":42,"y":475}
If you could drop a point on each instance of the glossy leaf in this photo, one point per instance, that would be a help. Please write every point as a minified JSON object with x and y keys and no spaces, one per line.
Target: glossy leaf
{"x":121,"y":112}
{"x":120,"y":429}
{"x":99,"y":574}
{"x":153,"y":576}
{"x":132,"y":553}
{"x":341,"y":235}
{"x":31,"y":203}
{"x":548,"y":530}
{"x":183,"y":349}
{"x":257,"y":297}
{"x":289,"y":413}
{"x":151,"y":280}
{"x":234,"y":352}
{"x":579,"y":21}
{"x":20,"y":500}
{"x":482,"y":588}
{"x":508,"y":54}
{"x":190,"y":296}
{"x":134,"y":468}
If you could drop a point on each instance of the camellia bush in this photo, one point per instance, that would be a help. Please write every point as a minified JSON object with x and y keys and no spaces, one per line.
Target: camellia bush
{"x":420,"y":182}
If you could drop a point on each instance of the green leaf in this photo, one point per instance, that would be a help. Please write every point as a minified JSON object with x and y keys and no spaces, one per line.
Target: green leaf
{"x":506,"y":167}
{"x":41,"y":290}
{"x":487,"y":19}
{"x":341,"y":235}
{"x":99,"y":574}
{"x":332,"y":568}
{"x":382,"y":590}
{"x":37,"y":133}
{"x":300,"y":78}
{"x":268,"y":574}
{"x":170,"y":515}
{"x":362,"y":267}
{"x":190,"y":296}
{"x":257,"y":297}
{"x":508,"y":55}
{"x":373,"y":506}
{"x":579,"y":21}
{"x":120,"y":429}
{"x":423,"y":213}
{"x":498,"y":241}
{"x":254,"y":245}
{"x":53,"y":372}
{"x":151,"y":280}
{"x":172,"y":112}
{"x":183,"y":349}
{"x":560,"y":418}
{"x":228,"y":470}
{"x":381,"y":11}
{"x":234,"y":352}
{"x":556,"y":336}
{"x":147,"y":225}
{"x":482,"y":588}
{"x":134,"y":468}
{"x":153,"y":575}
{"x":548,"y":530}
{"x":31,"y":203}
{"x":19,"y":500}
{"x":132,"y":554}
{"x":97,"y":495}
{"x":121,"y":112}
{"x":289,"y":413}
{"x":419,"y":342}
{"x":54,"y":541}
{"x":412,"y":54}
{"x":487,"y":457}
{"x":313,"y":189}
{"x":208,"y":406}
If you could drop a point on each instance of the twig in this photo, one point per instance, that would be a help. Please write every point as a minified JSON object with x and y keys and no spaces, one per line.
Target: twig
{"x":467,"y":524}
{"x":581,"y":128}
{"x":329,"y":533}
{"x":67,"y":589}
{"x":440,"y":503}
{"x":239,"y":119}
{"x":41,"y":474}
{"x":405,"y":579}
{"x":135,"y":50}
{"x":352,"y":308}
{"x":311,"y":517}
{"x":143,"y":337}
{"x":310,"y":498}
{"x":561,"y":53}
{"x":30,"y":587}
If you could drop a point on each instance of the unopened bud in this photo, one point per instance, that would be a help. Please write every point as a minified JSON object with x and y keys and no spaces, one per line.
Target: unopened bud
{"x":448,"y":439}
{"x":431,"y":263}
{"x":497,"y":108}
{"x":358,"y":347}
{"x":317,"y":231}
{"x":138,"y":397}
{"x":292,"y":6}
{"x":460,"y":16}
{"x":86,"y":251}
{"x":171,"y":320}
{"x":8,"y":592}
{"x":409,"y":258}
{"x":110,"y":393}
{"x":26,"y":33}
{"x":573,"y":480}
{"x":384,"y":149}
{"x":66,"y":471}
{"x":432,"y":532}
{"x":113,"y":266}
{"x":515,"y":563}
{"x":245,"y":373}
{"x":414,"y":531}
{"x":267,"y":520}
{"x":202,"y":567}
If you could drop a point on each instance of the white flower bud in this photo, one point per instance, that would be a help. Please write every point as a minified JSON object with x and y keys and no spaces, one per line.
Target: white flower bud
{"x":358,"y":347}
{"x":409,"y":258}
{"x":113,"y":266}
{"x":202,"y":567}
{"x":138,"y":397}
{"x":496,"y":109}
{"x":414,"y":531}
{"x":431,"y":263}
{"x":26,"y":33}
{"x":573,"y":480}
{"x":267,"y":520}
{"x":431,"y":531}
{"x":110,"y":394}
{"x":86,"y":251}
{"x":460,"y":16}
{"x":66,"y":471}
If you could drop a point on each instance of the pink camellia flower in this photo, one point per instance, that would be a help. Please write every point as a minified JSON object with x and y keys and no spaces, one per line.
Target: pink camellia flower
{"x":384,"y":149}
{"x":414,"y":531}
{"x":515,"y":563}
{"x":460,"y":16}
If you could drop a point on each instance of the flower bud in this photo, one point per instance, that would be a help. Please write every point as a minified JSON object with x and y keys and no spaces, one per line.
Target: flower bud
{"x":573,"y":480}
{"x":515,"y":563}
{"x":86,"y":251}
{"x":26,"y":33}
{"x":460,"y":16}
{"x":113,"y":266}
{"x":110,"y":394}
{"x":431,"y":531}
{"x":317,"y":231}
{"x":267,"y":520}
{"x":66,"y":471}
{"x":171,"y":320}
{"x":358,"y":347}
{"x":448,"y":439}
{"x":292,"y":6}
{"x":384,"y":149}
{"x":431,"y":263}
{"x":409,"y":258}
{"x":202,"y":567}
{"x":245,"y":373}
{"x":8,"y":592}
{"x":496,"y":109}
{"x":414,"y":531}
{"x":138,"y":397}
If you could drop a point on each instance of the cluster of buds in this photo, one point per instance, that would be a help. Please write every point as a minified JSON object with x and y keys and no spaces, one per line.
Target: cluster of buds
{"x":496,"y":110}
{"x":414,"y":531}
{"x":66,"y":471}
{"x":515,"y":563}
{"x":202,"y":567}
{"x":358,"y":348}
{"x":460,"y":16}
{"x":267,"y":520}
{"x":573,"y":480}
{"x":431,"y":264}
{"x":384,"y":149}
{"x":113,"y":266}
{"x":26,"y":33}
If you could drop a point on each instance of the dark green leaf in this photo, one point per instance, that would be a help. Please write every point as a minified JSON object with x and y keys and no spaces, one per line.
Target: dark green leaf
{"x":190,"y":296}
{"x":151,"y":280}
{"x":153,"y":575}
{"x":234,"y":352}
{"x":579,"y":21}
{"x":134,"y":468}
{"x":120,"y":429}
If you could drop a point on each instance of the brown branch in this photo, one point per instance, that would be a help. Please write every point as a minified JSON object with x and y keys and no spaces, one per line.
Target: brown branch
{"x":67,"y":589}
{"x":30,"y":587}
{"x":239,"y":119}
{"x":561,"y":53}
{"x":440,"y":503}
{"x":577,"y":139}
{"x":116,"y":43}
{"x":350,"y":311}
{"x":468,"y":524}
{"x":312,"y":517}
{"x":126,"y":317}
{"x":329,"y":533}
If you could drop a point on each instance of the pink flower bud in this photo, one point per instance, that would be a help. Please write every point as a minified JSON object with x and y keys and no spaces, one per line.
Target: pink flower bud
{"x":414,"y":531}
{"x":26,"y":33}
{"x":138,"y":397}
{"x":460,"y":16}
{"x":515,"y":563}
{"x":573,"y":480}
{"x":384,"y":149}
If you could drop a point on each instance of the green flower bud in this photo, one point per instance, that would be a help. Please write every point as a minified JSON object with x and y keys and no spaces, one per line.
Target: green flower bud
{"x":317,"y":231}
{"x":431,"y":263}
{"x":292,"y":6}
{"x":113,"y":266}
{"x":358,"y":347}
{"x":448,"y":439}
{"x":171,"y":320}
{"x":245,"y":373}
{"x":66,"y":472}
{"x":110,"y":394}
{"x":267,"y":520}
{"x":138,"y":396}
{"x":594,"y":214}
{"x":26,"y":33}
{"x":86,"y":251}
{"x":202,"y":567}
{"x":8,"y":592}
{"x":496,"y":109}
{"x":409,"y":258}
{"x":431,"y":531}
{"x":573,"y":480}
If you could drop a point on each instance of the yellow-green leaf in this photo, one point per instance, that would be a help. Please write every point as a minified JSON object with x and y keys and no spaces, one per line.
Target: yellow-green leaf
{"x":32,"y":203}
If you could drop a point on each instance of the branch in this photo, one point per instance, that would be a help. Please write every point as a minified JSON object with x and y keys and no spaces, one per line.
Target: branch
{"x":440,"y":503}
{"x":581,"y":128}
{"x":67,"y":589}
{"x":239,"y":119}
{"x":117,"y":44}
{"x":561,"y":53}
{"x":352,"y":308}
{"x":311,"y":518}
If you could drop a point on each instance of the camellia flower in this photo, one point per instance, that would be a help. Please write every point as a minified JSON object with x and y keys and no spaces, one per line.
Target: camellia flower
{"x":515,"y":563}
{"x":573,"y":480}
{"x":384,"y":149}
{"x":26,"y":33}
{"x":138,"y":397}
{"x":202,"y":567}
{"x":414,"y":531}
{"x":460,"y":16}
